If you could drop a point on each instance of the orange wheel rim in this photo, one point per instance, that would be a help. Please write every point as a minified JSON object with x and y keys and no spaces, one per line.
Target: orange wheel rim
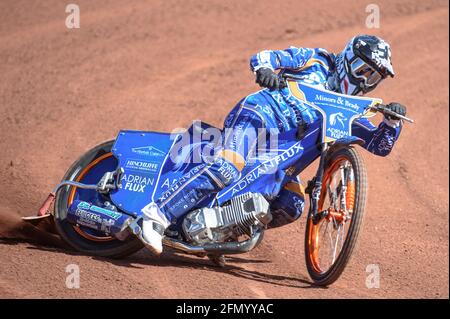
{"x":314,"y":229}
{"x":72,"y":196}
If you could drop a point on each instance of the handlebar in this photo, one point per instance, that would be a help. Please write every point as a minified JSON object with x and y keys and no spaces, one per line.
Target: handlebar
{"x":382,"y":108}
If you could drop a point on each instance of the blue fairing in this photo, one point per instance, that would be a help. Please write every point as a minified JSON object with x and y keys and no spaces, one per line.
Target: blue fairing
{"x":142,"y":156}
{"x":150,"y":166}
{"x":149,"y":169}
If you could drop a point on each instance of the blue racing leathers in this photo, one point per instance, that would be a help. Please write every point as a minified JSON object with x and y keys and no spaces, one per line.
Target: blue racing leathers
{"x":314,"y":67}
{"x":278,"y":111}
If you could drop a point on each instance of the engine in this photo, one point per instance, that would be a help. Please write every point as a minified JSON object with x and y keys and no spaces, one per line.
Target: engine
{"x":228,"y":222}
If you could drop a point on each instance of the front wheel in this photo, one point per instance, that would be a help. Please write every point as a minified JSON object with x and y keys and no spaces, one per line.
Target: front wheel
{"x":331,"y":239}
{"x":88,"y":169}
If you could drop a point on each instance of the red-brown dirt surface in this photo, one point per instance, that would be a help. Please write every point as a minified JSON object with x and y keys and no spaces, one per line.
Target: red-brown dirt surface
{"x":157,"y":65}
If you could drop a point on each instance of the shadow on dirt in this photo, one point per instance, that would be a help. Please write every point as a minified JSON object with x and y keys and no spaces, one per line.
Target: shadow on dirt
{"x":172,"y":259}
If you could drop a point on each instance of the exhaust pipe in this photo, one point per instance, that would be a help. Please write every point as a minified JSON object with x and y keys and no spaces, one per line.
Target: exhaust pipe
{"x":229,"y":248}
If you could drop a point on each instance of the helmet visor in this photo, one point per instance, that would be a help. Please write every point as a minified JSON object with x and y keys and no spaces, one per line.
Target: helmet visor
{"x":362,"y":70}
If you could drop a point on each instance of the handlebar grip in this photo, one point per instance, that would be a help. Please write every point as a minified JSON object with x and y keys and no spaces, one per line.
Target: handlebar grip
{"x":384,"y":110}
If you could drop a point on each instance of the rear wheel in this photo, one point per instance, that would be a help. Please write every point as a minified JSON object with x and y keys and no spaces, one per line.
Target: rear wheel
{"x":88,"y":169}
{"x":331,"y":239}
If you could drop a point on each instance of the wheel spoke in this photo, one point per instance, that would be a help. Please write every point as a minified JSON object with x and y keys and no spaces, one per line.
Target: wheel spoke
{"x":343,"y":233}
{"x":332,"y":196}
{"x":335,"y":246}
{"x":343,"y":189}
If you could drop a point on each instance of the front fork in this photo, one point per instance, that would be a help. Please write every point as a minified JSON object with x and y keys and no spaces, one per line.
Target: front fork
{"x":314,"y":188}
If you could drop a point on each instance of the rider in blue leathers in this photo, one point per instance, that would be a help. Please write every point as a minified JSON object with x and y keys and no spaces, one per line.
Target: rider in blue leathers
{"x":358,"y":69}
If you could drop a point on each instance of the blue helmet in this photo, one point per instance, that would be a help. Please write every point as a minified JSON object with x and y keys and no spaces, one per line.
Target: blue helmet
{"x":364,"y":62}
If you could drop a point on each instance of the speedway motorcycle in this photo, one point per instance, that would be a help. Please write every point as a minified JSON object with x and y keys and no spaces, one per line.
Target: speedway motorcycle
{"x":97,"y":205}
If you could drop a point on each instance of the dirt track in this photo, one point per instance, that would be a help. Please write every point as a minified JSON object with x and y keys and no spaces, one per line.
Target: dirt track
{"x":160,"y":64}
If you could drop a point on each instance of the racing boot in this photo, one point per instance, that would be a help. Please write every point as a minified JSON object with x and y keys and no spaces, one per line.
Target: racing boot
{"x":154,"y":224}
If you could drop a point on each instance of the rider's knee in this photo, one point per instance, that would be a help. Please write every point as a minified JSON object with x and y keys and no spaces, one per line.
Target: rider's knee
{"x":227,"y":167}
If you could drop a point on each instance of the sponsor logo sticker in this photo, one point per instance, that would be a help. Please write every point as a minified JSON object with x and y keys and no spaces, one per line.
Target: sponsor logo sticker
{"x":141,"y":166}
{"x":337,"y":118}
{"x":148,"y":151}
{"x":87,"y":216}
{"x":136,"y":183}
